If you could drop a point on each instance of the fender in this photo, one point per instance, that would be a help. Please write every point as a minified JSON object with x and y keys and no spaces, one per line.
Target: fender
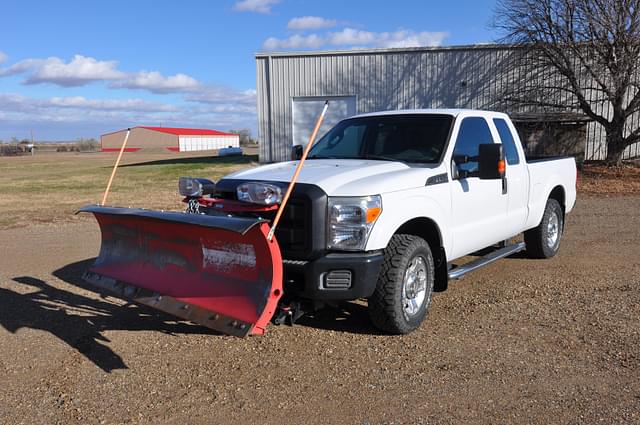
{"x":540,"y":191}
{"x":403,"y":206}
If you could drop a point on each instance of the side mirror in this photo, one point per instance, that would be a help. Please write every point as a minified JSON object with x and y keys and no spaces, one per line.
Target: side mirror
{"x":296,"y":152}
{"x":491,"y":164}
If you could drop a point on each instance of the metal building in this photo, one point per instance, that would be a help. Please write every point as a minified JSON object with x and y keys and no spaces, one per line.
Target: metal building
{"x":168,"y":138}
{"x":292,"y":87}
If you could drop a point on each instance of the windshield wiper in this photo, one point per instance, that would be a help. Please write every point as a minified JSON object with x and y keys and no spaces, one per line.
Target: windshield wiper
{"x":381,"y":158}
{"x":324,"y":157}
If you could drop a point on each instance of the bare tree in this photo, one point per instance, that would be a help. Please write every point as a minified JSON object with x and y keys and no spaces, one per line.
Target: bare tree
{"x":592,"y":47}
{"x":245,"y":136}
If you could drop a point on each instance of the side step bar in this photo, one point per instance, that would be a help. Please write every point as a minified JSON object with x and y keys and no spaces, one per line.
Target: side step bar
{"x":458,"y":272}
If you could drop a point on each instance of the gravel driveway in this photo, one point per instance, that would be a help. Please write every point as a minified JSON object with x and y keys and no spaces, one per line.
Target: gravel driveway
{"x":521,"y":341}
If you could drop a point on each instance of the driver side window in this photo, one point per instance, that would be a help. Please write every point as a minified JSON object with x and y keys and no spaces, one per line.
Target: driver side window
{"x":473,"y":132}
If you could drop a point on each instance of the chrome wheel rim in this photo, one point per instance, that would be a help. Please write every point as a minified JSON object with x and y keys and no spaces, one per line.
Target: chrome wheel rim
{"x":553,"y":230}
{"x":414,"y":287}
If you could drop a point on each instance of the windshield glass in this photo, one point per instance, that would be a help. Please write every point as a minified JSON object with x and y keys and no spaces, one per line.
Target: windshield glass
{"x":407,"y":138}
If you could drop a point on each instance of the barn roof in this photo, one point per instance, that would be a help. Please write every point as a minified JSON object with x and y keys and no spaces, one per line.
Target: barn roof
{"x":180,"y":131}
{"x":188,"y":131}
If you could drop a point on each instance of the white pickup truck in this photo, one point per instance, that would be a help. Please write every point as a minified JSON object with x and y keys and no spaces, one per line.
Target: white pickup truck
{"x":387,"y":201}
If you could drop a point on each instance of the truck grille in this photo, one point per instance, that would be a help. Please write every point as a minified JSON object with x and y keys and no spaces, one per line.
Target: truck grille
{"x":301,"y":231}
{"x":294,"y":231}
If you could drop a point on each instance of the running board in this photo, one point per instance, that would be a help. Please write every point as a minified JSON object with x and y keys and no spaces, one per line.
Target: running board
{"x":458,"y":272}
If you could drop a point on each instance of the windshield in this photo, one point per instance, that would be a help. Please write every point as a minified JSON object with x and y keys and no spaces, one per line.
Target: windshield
{"x":408,"y":138}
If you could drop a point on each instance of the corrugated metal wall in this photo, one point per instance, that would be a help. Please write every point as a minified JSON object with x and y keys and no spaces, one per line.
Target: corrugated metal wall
{"x":456,"y":77}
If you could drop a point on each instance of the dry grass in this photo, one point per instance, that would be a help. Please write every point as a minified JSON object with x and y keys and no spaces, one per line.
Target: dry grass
{"x":601,"y":180}
{"x":51,"y":187}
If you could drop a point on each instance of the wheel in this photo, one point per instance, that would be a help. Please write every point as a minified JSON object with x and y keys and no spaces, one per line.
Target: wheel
{"x":403,"y":292}
{"x":544,"y":241}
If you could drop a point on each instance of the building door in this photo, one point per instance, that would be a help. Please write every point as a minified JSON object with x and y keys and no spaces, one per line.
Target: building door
{"x":307,"y":109}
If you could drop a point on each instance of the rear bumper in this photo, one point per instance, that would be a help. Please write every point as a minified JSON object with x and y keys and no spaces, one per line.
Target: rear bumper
{"x":335,"y":276}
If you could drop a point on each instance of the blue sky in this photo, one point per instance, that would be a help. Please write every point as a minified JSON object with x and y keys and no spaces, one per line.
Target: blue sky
{"x":71,"y":69}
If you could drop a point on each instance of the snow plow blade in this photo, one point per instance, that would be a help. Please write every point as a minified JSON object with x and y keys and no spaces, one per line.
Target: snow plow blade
{"x":218,"y":271}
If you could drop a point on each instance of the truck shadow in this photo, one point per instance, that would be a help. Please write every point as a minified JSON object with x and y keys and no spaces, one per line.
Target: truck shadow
{"x":348,"y":317}
{"x":81,"y":321}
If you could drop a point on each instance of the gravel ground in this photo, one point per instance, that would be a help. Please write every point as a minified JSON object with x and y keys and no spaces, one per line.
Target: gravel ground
{"x":521,"y":341}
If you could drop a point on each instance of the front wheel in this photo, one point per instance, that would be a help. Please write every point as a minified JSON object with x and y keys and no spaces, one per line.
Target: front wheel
{"x":544,"y":241}
{"x":405,"y":285}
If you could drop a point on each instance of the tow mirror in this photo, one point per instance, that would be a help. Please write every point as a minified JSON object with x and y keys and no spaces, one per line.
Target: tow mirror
{"x":296,"y":152}
{"x":491,"y":164}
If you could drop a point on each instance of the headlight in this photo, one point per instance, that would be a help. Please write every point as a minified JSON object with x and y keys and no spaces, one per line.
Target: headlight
{"x":192,"y":187}
{"x":259,"y":193}
{"x":351,"y":220}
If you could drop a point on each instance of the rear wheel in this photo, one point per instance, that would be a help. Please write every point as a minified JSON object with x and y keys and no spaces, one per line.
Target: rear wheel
{"x":405,"y":285}
{"x":544,"y":241}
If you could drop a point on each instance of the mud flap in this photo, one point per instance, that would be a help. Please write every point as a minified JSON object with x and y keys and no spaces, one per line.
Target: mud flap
{"x":218,"y":271}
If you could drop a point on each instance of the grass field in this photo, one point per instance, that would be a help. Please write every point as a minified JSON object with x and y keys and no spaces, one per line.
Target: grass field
{"x":51,"y":187}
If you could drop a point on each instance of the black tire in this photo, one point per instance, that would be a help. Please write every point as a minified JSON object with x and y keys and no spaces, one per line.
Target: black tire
{"x":391,"y":303}
{"x":540,"y":240}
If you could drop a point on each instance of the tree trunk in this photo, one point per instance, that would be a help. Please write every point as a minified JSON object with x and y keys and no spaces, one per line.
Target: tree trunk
{"x":616,"y":145}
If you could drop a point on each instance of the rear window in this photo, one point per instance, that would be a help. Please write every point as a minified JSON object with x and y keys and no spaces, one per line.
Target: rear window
{"x":508,"y":144}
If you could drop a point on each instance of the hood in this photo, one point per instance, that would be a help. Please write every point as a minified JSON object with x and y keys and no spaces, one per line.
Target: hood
{"x":345,"y":177}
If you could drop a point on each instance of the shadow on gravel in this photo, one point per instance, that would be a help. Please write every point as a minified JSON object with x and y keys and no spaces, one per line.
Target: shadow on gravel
{"x":347,"y":317}
{"x":78,"y":320}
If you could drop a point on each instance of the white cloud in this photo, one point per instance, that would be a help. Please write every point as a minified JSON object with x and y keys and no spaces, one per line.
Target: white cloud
{"x":83,"y":70}
{"x":3,"y":57}
{"x":75,"y":116}
{"x":110,"y":104}
{"x":350,"y":36}
{"x":78,"y":72}
{"x":257,"y":6}
{"x":353,"y":38}
{"x":310,"y":23}
{"x":221,"y":96}
{"x":157,"y":83}
{"x":19,"y":103}
{"x":296,"y":41}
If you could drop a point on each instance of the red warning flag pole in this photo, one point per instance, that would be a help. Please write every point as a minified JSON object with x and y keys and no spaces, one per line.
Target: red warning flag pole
{"x":307,"y":148}
{"x":115,"y":167}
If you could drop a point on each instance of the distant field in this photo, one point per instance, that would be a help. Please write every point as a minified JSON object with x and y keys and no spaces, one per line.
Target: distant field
{"x":50,"y":187}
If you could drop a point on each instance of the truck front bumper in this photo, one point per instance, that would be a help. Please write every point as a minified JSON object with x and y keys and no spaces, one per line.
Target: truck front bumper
{"x":335,"y":276}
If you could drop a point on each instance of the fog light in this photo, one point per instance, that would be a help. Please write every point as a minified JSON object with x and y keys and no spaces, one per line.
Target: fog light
{"x":192,"y":187}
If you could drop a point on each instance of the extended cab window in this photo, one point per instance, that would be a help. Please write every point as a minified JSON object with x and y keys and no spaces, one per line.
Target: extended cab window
{"x":474,"y":131}
{"x":508,"y":144}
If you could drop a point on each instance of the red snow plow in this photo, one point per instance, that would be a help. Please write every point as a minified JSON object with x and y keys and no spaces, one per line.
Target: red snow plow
{"x":218,"y":271}
{"x":223,"y":271}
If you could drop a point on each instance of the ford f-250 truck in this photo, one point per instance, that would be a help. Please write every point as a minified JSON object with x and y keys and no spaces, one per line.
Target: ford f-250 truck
{"x":387,"y":201}
{"x":385,"y":207}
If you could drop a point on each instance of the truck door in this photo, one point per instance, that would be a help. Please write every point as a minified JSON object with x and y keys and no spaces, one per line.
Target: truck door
{"x":517,"y":177}
{"x":479,"y":209}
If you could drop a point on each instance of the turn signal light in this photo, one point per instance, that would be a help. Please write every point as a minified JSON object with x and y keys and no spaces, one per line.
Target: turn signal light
{"x":373,"y":213}
{"x":502,"y":166}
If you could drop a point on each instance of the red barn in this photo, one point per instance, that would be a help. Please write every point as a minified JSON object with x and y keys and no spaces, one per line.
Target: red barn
{"x":169,"y":138}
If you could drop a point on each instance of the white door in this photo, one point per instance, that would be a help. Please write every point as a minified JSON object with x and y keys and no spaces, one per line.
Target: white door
{"x":306,"y":111}
{"x":479,"y":209}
